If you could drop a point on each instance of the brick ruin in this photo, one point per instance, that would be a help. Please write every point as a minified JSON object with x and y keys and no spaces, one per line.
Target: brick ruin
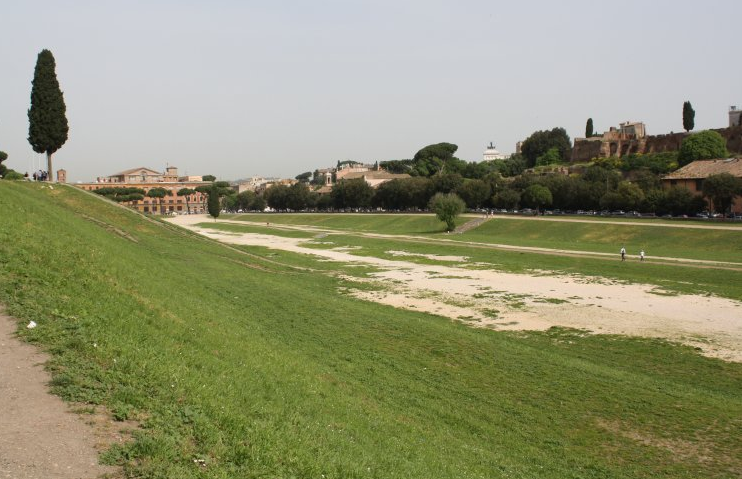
{"x":622,"y":143}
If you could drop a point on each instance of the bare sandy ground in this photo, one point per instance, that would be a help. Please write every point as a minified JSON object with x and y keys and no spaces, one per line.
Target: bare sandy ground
{"x":40,"y":438}
{"x":508,"y":301}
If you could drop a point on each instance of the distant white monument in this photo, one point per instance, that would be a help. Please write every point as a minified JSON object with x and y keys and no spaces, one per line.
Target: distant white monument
{"x":492,"y":154}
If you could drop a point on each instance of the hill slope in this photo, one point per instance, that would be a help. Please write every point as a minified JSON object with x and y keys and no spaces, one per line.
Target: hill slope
{"x":265,"y":370}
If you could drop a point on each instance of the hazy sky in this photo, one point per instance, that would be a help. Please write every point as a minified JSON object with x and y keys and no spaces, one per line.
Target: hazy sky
{"x":276,"y":88}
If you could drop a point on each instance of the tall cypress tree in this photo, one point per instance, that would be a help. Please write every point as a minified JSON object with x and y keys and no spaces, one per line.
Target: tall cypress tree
{"x":589,"y":128}
{"x":47,"y":122}
{"x":689,"y":116}
{"x":213,"y":205}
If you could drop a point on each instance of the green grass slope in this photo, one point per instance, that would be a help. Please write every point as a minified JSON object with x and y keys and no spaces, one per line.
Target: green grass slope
{"x":266,"y":371}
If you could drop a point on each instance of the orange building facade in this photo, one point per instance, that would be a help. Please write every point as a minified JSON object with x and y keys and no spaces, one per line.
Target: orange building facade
{"x":147,"y":179}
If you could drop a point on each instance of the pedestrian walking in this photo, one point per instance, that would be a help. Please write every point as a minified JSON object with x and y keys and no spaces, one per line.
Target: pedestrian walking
{"x":623,"y":253}
{"x":641,"y":255}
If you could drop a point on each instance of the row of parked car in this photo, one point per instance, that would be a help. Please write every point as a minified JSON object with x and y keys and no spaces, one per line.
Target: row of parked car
{"x":616,"y":213}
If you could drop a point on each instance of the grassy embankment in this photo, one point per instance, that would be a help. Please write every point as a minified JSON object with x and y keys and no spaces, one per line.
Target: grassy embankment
{"x":266,"y":371}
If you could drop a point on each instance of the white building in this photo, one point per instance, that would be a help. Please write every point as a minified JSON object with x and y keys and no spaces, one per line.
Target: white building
{"x":735,"y":116}
{"x":492,"y":154}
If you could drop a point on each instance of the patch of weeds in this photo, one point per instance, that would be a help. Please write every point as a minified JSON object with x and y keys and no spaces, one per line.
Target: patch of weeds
{"x":663,"y":292}
{"x":550,"y":300}
{"x":491,"y":313}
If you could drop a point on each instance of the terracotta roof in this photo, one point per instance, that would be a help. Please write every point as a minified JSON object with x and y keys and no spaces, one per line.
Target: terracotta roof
{"x":136,"y":170}
{"x":704,"y":168}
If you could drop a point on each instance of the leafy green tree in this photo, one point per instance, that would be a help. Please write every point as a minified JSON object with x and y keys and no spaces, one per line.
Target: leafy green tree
{"x":208,"y":178}
{"x":13,"y":175}
{"x":245,"y":199}
{"x":204,"y":190}
{"x":277,"y":197}
{"x":185,"y":193}
{"x":542,"y":141}
{"x":47,"y":120}
{"x":304,"y":177}
{"x":447,"y":207}
{"x":513,"y":166}
{"x":537,"y":196}
{"x":3,"y":168}
{"x":213,"y":204}
{"x":257,"y":204}
{"x":475,"y":193}
{"x":121,"y":194}
{"x":297,"y":197}
{"x":324,"y":203}
{"x":589,"y":128}
{"x":398,"y":166}
{"x":627,"y":196}
{"x":507,"y":199}
{"x":705,"y":145}
{"x":391,"y":195}
{"x":158,"y":193}
{"x":404,"y":193}
{"x":689,"y":116}
{"x":658,"y":163}
{"x":721,"y":189}
{"x":435,"y":159}
{"x":448,"y":183}
{"x":549,"y":158}
{"x":355,"y":193}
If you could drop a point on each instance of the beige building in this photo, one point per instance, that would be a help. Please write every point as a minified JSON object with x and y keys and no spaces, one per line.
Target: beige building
{"x":147,"y":179}
{"x":692,"y":175}
{"x":375,"y":178}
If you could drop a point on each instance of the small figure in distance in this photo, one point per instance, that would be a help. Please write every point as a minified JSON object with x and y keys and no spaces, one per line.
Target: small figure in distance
{"x":623,"y":253}
{"x":641,"y":255}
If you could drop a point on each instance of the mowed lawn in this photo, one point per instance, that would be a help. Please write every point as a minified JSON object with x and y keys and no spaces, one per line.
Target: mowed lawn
{"x":263,"y":370}
{"x":594,"y":235}
{"x":692,"y":243}
{"x":402,"y":223}
{"x":671,"y":277}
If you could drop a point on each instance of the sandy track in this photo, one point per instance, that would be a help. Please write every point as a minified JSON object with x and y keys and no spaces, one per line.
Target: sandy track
{"x":39,"y":437}
{"x":508,"y":301}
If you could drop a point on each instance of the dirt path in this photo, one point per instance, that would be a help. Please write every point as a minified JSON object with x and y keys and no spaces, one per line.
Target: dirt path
{"x":509,"y":301}
{"x":39,"y":437}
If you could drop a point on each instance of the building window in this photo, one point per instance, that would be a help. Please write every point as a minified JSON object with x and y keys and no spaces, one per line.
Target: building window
{"x":673,"y":182}
{"x":699,"y":185}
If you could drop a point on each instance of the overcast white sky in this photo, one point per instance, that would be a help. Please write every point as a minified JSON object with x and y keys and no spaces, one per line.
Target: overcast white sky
{"x":276,"y":88}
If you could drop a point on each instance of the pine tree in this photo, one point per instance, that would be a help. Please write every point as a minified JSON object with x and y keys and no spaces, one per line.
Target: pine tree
{"x":589,"y":128}
{"x":47,"y":122}
{"x":689,"y":116}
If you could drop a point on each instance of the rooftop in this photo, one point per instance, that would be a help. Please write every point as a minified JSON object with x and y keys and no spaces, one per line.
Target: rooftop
{"x":705,"y":168}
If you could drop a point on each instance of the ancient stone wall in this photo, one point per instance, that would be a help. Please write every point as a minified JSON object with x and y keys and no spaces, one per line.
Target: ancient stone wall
{"x":585,"y":150}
